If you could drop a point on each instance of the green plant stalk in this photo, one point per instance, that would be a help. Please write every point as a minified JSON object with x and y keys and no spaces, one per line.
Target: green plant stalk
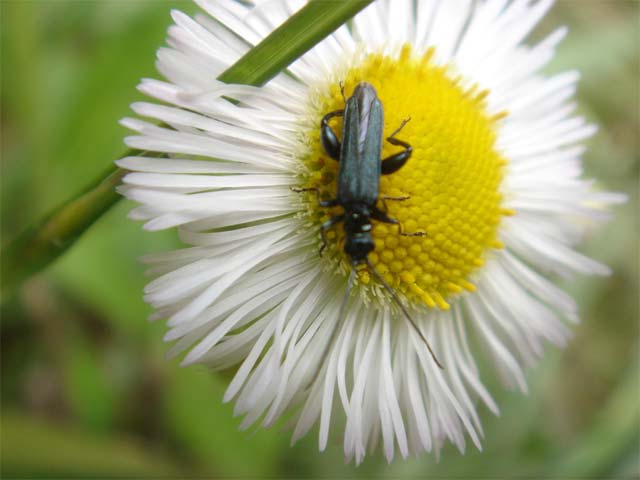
{"x":291,"y":40}
{"x":43,"y":242}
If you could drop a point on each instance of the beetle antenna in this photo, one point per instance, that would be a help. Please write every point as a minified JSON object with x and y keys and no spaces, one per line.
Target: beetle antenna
{"x":404,"y":310}
{"x":334,"y":332}
{"x":342,"y":92}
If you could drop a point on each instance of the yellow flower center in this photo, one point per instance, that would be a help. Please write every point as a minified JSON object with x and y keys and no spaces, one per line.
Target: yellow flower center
{"x":452,"y":179}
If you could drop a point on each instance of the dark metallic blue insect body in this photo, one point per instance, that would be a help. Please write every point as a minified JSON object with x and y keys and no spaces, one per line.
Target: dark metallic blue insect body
{"x":360,"y":169}
{"x":359,"y":173}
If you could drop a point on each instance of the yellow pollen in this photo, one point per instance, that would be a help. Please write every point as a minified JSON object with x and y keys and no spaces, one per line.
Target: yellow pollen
{"x":452,"y":179}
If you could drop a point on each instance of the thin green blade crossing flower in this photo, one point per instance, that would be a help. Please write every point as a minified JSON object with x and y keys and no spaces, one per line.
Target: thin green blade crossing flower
{"x":46,"y":240}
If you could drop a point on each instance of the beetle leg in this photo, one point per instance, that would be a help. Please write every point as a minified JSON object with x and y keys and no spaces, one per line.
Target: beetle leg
{"x":307,"y":189}
{"x":326,"y":226}
{"x":381,"y":216}
{"x":412,"y":234}
{"x":323,"y":203}
{"x":393,"y":162}
{"x":329,"y":203}
{"x":329,"y":139}
{"x":397,"y":130}
{"x":397,"y":199}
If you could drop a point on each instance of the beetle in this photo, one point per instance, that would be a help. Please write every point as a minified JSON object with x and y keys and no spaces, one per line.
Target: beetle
{"x":360,"y":167}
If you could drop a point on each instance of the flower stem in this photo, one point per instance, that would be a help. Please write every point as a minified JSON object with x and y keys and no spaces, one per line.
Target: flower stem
{"x":291,"y":40}
{"x":43,"y":242}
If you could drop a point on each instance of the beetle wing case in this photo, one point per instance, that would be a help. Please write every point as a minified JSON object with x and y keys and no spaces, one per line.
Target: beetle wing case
{"x":359,"y":170}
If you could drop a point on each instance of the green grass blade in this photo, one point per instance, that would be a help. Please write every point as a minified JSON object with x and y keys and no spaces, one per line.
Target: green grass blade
{"x":291,"y":40}
{"x":45,"y":241}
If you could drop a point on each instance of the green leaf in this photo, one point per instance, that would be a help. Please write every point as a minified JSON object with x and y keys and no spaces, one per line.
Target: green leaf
{"x":43,"y":242}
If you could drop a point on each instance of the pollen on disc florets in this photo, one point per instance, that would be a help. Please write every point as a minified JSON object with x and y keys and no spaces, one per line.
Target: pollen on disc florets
{"x":452,"y":179}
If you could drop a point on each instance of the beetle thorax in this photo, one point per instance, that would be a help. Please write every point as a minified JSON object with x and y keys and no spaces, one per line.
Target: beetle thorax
{"x":357,"y":228}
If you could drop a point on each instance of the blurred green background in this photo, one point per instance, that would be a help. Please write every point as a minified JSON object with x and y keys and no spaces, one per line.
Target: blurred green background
{"x":86,"y":391}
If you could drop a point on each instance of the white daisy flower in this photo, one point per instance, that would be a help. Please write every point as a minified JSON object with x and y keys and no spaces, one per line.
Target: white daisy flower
{"x":494,"y":181}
